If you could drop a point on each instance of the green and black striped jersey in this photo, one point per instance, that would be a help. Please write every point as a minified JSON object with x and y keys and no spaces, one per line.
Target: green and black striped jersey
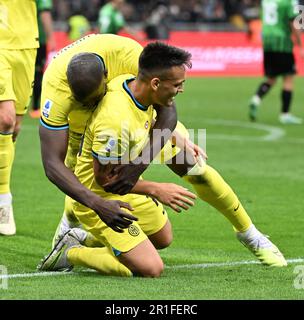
{"x":276,"y":18}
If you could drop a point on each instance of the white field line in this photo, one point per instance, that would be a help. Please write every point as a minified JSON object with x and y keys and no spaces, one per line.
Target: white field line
{"x":181,"y":266}
{"x":34,"y":274}
{"x":272,"y":133}
{"x":225,"y":264}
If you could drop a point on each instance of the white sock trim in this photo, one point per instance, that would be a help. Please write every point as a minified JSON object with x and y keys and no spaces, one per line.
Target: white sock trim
{"x":256,"y":100}
{"x":250,"y":233}
{"x":197,"y":170}
{"x":6,"y":199}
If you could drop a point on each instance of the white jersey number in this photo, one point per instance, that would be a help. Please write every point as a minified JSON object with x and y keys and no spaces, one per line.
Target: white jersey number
{"x":270,"y":13}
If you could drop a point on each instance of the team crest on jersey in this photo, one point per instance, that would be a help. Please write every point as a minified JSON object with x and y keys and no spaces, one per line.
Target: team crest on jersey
{"x":133,"y":230}
{"x":47,"y":108}
{"x":147,"y":124}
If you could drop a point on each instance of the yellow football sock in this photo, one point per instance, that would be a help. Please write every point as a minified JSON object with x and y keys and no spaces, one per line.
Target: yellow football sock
{"x":7,"y":153}
{"x":212,"y":188}
{"x":90,"y":240}
{"x":100,"y":259}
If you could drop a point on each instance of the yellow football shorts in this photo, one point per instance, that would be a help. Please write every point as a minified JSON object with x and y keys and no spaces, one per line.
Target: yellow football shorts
{"x":151,"y":215}
{"x":17,"y":69}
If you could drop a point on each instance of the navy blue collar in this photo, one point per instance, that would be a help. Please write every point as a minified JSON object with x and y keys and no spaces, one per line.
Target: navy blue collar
{"x":138,"y":105}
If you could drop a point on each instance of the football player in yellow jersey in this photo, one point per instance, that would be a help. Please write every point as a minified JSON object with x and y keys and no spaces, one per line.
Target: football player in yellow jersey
{"x":18,"y":46}
{"x":107,"y":139}
{"x":64,"y":116}
{"x":115,"y":135}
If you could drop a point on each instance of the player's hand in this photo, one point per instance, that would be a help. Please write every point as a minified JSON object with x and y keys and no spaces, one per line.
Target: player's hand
{"x":174,"y":196}
{"x":187,"y":145}
{"x":123,"y":178}
{"x":111,"y":214}
{"x":197,"y":151}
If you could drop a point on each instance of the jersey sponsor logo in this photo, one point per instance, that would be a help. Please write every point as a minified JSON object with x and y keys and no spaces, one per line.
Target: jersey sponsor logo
{"x":147,"y":124}
{"x":133,"y":230}
{"x":47,"y":108}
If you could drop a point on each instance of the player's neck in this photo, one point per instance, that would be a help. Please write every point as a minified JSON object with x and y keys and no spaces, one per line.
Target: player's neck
{"x":139,"y":91}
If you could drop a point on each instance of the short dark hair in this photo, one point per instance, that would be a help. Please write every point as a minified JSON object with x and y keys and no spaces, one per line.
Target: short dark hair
{"x":158,"y":57}
{"x":84,"y":73}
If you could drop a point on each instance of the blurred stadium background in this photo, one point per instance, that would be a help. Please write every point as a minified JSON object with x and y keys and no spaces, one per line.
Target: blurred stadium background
{"x":194,"y":14}
{"x":224,"y":36}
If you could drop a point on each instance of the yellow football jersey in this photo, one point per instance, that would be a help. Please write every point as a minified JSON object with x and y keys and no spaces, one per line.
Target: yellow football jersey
{"x":119,"y":129}
{"x":18,"y":24}
{"x":58,"y":107}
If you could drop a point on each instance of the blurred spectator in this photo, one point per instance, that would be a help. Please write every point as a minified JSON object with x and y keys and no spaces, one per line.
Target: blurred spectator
{"x":158,"y":21}
{"x":181,"y":11}
{"x":234,"y":13}
{"x":78,"y":26}
{"x":213,"y":11}
{"x":47,"y":44}
{"x":61,"y":10}
{"x":111,"y":19}
{"x":88,"y":8}
{"x":186,"y":11}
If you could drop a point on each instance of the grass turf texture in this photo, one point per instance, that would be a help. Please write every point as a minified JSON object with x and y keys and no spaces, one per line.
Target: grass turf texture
{"x":268,"y":176}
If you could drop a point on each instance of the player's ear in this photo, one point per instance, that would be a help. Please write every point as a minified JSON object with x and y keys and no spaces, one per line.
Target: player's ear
{"x":155,"y":83}
{"x":105,"y":73}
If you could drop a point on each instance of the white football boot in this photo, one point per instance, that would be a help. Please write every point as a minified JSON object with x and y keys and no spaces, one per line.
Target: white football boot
{"x":7,"y":221}
{"x":288,"y":118}
{"x":261,"y":247}
{"x":57,"y":259}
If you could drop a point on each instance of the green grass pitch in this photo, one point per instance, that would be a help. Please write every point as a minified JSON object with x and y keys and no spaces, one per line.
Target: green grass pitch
{"x":264,"y":164}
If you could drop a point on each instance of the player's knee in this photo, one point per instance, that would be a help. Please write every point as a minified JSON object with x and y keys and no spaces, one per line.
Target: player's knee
{"x":7,"y":122}
{"x":163,"y":238}
{"x":153,"y":270}
{"x":152,"y":267}
{"x":16,"y":131}
{"x":165,"y":241}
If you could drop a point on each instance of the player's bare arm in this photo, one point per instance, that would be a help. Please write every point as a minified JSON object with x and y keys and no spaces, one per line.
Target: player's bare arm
{"x":125,"y":176}
{"x":53,"y":151}
{"x":170,"y":194}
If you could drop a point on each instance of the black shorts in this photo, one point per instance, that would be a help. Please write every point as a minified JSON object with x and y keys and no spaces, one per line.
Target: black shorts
{"x":279,"y":63}
{"x":41,"y":57}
